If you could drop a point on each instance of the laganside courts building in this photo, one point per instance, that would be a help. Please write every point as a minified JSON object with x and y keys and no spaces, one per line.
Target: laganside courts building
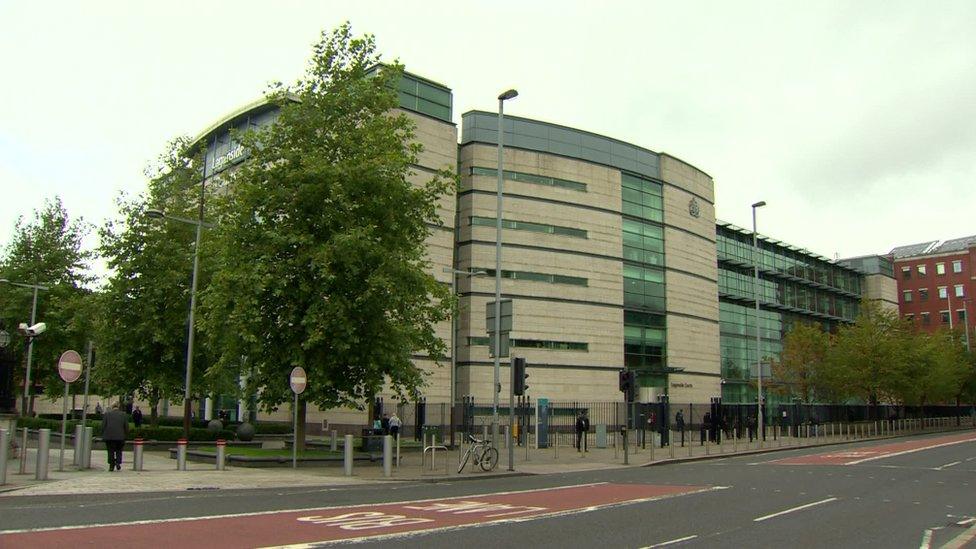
{"x":612,"y":256}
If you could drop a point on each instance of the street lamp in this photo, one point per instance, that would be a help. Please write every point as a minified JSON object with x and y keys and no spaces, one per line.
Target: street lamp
{"x":454,"y":276}
{"x":200,"y":224}
{"x":755,"y":263}
{"x":510,"y":94}
{"x":30,"y":339}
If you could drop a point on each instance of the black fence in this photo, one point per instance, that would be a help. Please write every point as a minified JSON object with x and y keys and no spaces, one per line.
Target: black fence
{"x":713,"y":420}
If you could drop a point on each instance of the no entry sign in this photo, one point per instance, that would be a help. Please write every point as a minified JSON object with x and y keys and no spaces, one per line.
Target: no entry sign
{"x":69,"y":366}
{"x":298,"y":380}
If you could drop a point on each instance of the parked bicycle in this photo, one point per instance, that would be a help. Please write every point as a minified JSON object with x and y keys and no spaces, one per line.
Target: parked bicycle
{"x":484,"y":454}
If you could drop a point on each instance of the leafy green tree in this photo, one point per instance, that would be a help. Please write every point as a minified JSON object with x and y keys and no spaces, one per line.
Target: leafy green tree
{"x":801,"y":363}
{"x":320,"y":245}
{"x":142,"y":327}
{"x":47,"y":250}
{"x":870,"y":359}
{"x":939,"y":367}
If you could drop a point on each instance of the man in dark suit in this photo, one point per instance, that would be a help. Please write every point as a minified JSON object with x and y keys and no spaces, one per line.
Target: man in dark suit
{"x":582,"y":427}
{"x":115,"y":429}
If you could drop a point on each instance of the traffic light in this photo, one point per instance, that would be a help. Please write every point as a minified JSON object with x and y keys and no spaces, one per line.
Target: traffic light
{"x":628,"y":384}
{"x":519,"y":387}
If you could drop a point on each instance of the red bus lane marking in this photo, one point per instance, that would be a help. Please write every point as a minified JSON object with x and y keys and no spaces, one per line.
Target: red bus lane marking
{"x":871,"y":453}
{"x":351,"y":522}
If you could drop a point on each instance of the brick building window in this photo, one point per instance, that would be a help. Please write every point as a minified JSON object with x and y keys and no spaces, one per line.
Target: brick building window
{"x":910,"y":318}
{"x":957,"y":266}
{"x":923,"y":294}
{"x":961,"y":315}
{"x":906,"y":296}
{"x":906,"y":273}
{"x":943,"y":292}
{"x":959,"y":290}
{"x":944,"y":316}
{"x":926,"y":320}
{"x":921,"y":270}
{"x":940,"y":269}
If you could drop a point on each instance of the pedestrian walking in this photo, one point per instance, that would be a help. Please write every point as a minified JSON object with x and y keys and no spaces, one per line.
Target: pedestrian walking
{"x":582,"y":427}
{"x":395,"y":425}
{"x":679,"y":423}
{"x":98,"y":408}
{"x":751,"y":426}
{"x":385,"y":424}
{"x":137,"y":417}
{"x":115,"y":429}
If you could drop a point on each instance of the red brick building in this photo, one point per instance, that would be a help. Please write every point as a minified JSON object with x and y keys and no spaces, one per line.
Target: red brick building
{"x":936,"y":282}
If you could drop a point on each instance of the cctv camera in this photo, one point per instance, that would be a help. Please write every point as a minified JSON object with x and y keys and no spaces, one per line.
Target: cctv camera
{"x":32,"y":331}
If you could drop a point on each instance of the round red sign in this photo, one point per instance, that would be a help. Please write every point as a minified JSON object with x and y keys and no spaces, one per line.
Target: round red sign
{"x":69,"y":366}
{"x":298,"y":380}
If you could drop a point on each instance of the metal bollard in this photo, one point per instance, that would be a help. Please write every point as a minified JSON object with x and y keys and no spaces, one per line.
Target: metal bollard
{"x":671,"y":442}
{"x":79,"y":443}
{"x":181,"y":454}
{"x":4,"y":445}
{"x":507,"y":437}
{"x":221,"y":453}
{"x":735,"y":440}
{"x":137,"y":454}
{"x":347,"y":455}
{"x":87,"y":450}
{"x":43,"y":447}
{"x":23,"y":453}
{"x":334,"y":442}
{"x":387,"y":456}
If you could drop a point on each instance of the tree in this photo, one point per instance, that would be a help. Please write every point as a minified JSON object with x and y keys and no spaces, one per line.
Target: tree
{"x":321,"y":240}
{"x":47,"y":251}
{"x":801,"y":362}
{"x":143,"y":322}
{"x":870,"y":359}
{"x":939,"y":367}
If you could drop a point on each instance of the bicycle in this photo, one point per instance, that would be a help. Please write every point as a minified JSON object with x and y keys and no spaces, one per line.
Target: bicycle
{"x":485,"y":456}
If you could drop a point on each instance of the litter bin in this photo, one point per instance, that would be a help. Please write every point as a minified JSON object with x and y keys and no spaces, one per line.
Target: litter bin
{"x":371,"y":442}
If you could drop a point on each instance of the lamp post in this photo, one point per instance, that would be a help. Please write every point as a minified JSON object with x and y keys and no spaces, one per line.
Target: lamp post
{"x":30,"y":340}
{"x":454,"y":276}
{"x":509,"y":94}
{"x":755,"y":263}
{"x":200,"y":224}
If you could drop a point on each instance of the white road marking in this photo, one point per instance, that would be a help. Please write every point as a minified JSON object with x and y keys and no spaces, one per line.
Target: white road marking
{"x":947,"y":465}
{"x":912,"y":451}
{"x":354,"y":506}
{"x":672,"y":542}
{"x":801,"y":507}
{"x":926,"y":539}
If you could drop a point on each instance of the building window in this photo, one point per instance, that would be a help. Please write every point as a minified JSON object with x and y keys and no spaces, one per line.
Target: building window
{"x":906,"y":296}
{"x":539,"y":277}
{"x":537,"y":344}
{"x":940,"y":269}
{"x":944,"y":316}
{"x":529,"y":226}
{"x":959,"y":290}
{"x":642,"y":197}
{"x":961,"y":315}
{"x":531,"y":178}
{"x":943,"y":292}
{"x":921,"y":270}
{"x":923,"y":294}
{"x":910,"y":318}
{"x":926,"y":320}
{"x":957,"y":266}
{"x":906,"y":273}
{"x":643,"y":242}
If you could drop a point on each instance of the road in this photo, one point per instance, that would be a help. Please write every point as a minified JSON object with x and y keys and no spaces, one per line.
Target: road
{"x":907,"y":492}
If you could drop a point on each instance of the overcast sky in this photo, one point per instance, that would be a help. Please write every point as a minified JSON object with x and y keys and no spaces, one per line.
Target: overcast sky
{"x":855,"y":121}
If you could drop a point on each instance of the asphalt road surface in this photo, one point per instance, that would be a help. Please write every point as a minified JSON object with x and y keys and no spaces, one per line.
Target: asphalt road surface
{"x":909,"y":492}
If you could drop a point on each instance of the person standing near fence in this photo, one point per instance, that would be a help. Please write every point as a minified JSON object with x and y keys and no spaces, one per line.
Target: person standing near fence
{"x":395,"y":424}
{"x":679,"y":423}
{"x":115,"y":429}
{"x":706,"y":428}
{"x":582,"y":427}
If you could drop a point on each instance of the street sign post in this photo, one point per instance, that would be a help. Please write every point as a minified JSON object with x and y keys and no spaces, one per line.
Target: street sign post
{"x":69,"y":368}
{"x":298,"y":381}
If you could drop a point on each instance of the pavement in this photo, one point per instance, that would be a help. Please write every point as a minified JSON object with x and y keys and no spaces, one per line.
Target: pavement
{"x":160,"y":474}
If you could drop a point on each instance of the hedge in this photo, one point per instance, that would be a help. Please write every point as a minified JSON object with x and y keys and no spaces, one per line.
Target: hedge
{"x":146,"y":432}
